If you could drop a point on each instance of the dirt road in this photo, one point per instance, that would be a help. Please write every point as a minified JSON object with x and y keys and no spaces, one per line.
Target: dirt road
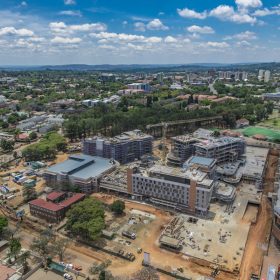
{"x":258,"y":238}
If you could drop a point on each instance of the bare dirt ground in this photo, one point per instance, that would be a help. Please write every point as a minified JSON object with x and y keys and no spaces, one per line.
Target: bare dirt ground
{"x":147,"y":240}
{"x":258,"y":238}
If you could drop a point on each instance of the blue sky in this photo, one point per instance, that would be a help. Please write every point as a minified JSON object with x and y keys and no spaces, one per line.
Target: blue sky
{"x":36,"y":32}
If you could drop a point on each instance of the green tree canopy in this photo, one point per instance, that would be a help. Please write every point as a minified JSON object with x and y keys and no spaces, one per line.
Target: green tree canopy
{"x":86,"y":219}
{"x":118,"y":207}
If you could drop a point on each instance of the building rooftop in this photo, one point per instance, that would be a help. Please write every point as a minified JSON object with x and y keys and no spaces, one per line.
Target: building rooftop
{"x":201,"y":161}
{"x":255,"y":161}
{"x":218,"y":142}
{"x":82,"y":166}
{"x":133,"y":135}
{"x":72,"y":199}
{"x":194,"y":174}
{"x":55,"y":195}
{"x":45,"y":204}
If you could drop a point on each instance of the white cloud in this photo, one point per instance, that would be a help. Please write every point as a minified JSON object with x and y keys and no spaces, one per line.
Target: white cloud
{"x":17,"y":32}
{"x":249,"y":3}
{"x":69,"y":2}
{"x":227,"y":13}
{"x":217,"y":44}
{"x":266,"y":12}
{"x":140,"y":26}
{"x":156,"y":24}
{"x":61,"y":27}
{"x":200,"y":29}
{"x":153,"y":40}
{"x":170,"y":39}
{"x":105,"y":37}
{"x":23,"y":4}
{"x":243,"y":43}
{"x":187,"y":13}
{"x":71,"y":13}
{"x":246,"y":35}
{"x":63,"y":40}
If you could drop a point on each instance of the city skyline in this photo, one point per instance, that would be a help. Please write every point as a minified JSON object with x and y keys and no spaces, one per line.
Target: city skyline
{"x":147,"y":32}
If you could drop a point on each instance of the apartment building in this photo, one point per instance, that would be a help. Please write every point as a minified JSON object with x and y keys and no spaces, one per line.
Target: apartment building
{"x":189,"y":190}
{"x":123,"y":148}
{"x":82,"y":171}
{"x":276,"y":208}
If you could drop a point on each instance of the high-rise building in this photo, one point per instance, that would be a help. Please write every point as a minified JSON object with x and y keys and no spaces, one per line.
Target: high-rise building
{"x":266,"y":76}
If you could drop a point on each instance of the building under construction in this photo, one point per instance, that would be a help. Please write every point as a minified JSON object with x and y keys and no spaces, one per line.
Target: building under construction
{"x":202,"y":143}
{"x":187,"y":190}
{"x":123,"y":148}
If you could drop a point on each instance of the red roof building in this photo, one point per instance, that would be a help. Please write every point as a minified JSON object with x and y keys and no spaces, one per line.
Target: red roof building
{"x":56,"y":196}
{"x":54,"y":212}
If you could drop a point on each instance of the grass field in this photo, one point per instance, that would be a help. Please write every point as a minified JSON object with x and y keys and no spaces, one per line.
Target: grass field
{"x":269,"y":133}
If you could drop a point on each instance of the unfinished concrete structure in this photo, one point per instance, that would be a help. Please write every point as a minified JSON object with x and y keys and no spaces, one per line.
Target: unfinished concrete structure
{"x":223,"y":149}
{"x":124,"y":148}
{"x":202,"y":143}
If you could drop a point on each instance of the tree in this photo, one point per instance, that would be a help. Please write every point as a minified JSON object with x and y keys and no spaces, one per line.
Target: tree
{"x":86,"y":219}
{"x":29,"y":193}
{"x":33,"y":135}
{"x":3,"y":224}
{"x":60,"y":246}
{"x":23,"y":260}
{"x":118,"y":207}
{"x":6,"y":145}
{"x":42,"y":246}
{"x":101,"y":270}
{"x":146,"y":273}
{"x":14,"y":248}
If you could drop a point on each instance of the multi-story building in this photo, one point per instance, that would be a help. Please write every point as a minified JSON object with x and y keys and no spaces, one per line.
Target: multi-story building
{"x":223,"y":149}
{"x":188,"y":190}
{"x":203,"y":144}
{"x":54,"y":208}
{"x":123,"y":148}
{"x":264,"y":75}
{"x":82,"y":171}
{"x":140,"y":86}
{"x":182,"y":148}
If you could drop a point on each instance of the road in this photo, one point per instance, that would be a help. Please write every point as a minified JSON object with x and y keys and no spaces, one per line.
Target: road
{"x":211,"y":87}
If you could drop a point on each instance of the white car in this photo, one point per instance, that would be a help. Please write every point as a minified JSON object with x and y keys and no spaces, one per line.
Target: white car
{"x":67,"y":276}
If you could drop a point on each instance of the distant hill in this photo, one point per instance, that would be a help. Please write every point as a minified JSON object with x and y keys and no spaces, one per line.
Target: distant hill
{"x":147,"y":67}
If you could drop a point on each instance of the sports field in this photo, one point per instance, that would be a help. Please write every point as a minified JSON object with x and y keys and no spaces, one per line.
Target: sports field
{"x":269,"y":133}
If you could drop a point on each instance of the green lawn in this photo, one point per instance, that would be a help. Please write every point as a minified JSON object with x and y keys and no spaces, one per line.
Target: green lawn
{"x":269,"y":133}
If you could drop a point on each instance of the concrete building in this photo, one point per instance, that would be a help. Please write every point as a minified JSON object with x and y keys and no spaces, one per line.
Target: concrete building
{"x":267,"y":76}
{"x":53,"y":209}
{"x":187,"y":190}
{"x":223,"y":149}
{"x":276,"y":208}
{"x":140,"y":86}
{"x":123,"y":148}
{"x":264,"y":76}
{"x":82,"y":171}
{"x":182,"y":148}
{"x":201,"y":143}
